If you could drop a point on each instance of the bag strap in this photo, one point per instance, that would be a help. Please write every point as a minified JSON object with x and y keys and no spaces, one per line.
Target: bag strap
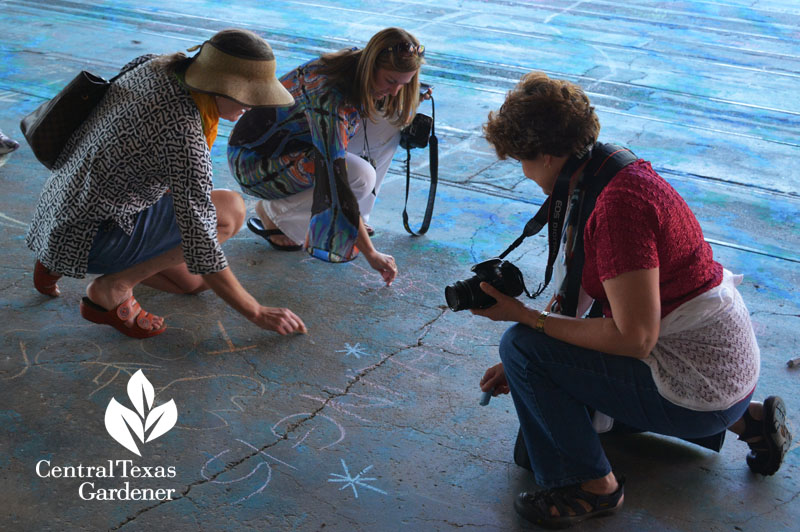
{"x":133,"y":64}
{"x":433,"y":154}
{"x":607,"y":161}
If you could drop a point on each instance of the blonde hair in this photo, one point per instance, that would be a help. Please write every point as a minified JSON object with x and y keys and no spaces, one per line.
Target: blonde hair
{"x":353,"y":73}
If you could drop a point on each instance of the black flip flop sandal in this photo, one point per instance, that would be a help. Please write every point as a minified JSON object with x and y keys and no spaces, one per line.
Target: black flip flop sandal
{"x":255,"y":225}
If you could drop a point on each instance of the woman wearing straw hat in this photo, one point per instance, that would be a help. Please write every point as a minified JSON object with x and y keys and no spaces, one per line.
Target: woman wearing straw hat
{"x":296,"y":160}
{"x":131,"y":196}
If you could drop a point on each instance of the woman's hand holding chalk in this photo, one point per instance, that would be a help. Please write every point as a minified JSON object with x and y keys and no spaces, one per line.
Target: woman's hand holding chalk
{"x":486,"y":397}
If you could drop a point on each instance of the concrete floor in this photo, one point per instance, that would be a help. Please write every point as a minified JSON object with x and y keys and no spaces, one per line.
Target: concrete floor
{"x":371,"y":421}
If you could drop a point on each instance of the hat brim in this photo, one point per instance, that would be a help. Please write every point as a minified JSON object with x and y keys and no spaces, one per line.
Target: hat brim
{"x":249,"y":82}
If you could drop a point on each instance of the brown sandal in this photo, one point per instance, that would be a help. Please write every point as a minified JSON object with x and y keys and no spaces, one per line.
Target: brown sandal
{"x":44,"y":281}
{"x":142,"y":326}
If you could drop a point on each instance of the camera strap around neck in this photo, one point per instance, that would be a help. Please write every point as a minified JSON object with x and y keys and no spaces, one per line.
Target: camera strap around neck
{"x":552,"y":213}
{"x":433,"y":153}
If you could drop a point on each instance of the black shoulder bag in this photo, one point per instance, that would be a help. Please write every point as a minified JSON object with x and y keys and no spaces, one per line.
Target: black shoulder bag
{"x":48,"y":128}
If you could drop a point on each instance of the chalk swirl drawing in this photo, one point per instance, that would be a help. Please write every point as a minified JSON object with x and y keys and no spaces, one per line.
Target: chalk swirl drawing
{"x":260,"y":482}
{"x":336,"y":428}
{"x":120,"y":420}
{"x":239,"y":389}
{"x":349,"y":481}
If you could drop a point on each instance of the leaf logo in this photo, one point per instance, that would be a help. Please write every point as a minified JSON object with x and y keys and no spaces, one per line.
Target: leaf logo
{"x":123,"y":423}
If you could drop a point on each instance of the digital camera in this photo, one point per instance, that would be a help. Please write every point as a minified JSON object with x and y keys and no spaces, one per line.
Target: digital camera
{"x":467,"y":294}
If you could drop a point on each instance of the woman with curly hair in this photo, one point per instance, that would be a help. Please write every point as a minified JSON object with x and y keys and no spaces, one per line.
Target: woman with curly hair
{"x":673,"y":350}
{"x":312,"y":191}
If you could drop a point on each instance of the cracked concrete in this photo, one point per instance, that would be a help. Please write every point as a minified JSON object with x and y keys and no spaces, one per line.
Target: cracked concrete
{"x":380,"y":399}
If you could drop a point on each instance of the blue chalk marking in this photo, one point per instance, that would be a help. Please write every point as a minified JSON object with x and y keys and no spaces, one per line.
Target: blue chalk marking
{"x":486,"y":397}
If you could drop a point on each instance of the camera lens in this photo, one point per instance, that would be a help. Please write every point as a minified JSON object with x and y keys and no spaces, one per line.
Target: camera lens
{"x":455,"y":296}
{"x":467,"y":294}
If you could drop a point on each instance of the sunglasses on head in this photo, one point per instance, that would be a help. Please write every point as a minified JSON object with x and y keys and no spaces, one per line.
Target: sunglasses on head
{"x":406,"y":49}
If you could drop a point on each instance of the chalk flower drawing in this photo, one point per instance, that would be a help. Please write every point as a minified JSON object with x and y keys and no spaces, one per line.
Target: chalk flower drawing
{"x":121,"y":421}
{"x":352,"y":482}
{"x":355,"y":350}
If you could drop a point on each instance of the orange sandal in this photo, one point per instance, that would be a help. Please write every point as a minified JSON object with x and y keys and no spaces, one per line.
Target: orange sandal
{"x":143,"y":324}
{"x":44,"y":281}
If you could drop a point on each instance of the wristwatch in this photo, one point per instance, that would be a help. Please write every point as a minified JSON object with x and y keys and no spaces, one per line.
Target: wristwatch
{"x":539,"y":327}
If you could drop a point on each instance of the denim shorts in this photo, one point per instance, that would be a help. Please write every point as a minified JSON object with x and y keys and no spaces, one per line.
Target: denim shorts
{"x":155,"y":232}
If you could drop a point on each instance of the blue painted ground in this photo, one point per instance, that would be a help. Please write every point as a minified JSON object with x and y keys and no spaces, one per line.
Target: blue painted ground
{"x":371,"y":421}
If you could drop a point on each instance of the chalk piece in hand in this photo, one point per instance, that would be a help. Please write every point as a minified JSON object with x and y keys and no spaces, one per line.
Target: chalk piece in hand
{"x":486,"y":397}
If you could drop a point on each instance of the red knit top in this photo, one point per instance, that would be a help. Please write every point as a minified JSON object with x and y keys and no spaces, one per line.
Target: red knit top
{"x":640,"y":222}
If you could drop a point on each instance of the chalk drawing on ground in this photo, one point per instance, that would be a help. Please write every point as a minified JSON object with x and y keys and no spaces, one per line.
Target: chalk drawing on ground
{"x":114,"y":370}
{"x":332,"y":431}
{"x":8,"y":221}
{"x":249,"y":387}
{"x":403,"y":286}
{"x":355,"y":350}
{"x":175,"y":344}
{"x":230,"y":347}
{"x":261,"y":483}
{"x":361,"y":401}
{"x":350,"y":481}
{"x":26,"y":363}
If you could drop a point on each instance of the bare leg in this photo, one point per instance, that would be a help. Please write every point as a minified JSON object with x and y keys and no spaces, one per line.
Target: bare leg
{"x":230,"y":217}
{"x":110,"y":290}
{"x":756,"y":411}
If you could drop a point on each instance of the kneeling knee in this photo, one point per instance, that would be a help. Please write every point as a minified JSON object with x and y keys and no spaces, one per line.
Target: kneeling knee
{"x":192,"y":286}
{"x":511,"y":341}
{"x":231,"y":212}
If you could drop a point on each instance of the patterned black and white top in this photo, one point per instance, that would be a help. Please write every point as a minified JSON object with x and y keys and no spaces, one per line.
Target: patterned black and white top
{"x":144,"y":138}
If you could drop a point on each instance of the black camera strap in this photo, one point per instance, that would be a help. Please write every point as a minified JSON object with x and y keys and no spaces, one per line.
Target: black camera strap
{"x":552,"y":213}
{"x":607,"y":161}
{"x":433,"y":153}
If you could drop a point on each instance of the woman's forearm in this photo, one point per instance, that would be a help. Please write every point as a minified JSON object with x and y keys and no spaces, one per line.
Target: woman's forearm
{"x":363,"y":241}
{"x":225,"y":284}
{"x":600,"y":334}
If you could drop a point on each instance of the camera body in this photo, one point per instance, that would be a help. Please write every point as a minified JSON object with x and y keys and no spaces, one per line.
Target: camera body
{"x":416,"y":134}
{"x":467,"y":294}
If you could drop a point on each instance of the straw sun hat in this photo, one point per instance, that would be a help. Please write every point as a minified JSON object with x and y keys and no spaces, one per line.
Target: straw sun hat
{"x":240,"y":65}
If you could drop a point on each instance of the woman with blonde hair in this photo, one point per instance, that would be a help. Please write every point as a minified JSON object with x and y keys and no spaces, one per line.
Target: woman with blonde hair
{"x":131,"y":196}
{"x":296,"y":160}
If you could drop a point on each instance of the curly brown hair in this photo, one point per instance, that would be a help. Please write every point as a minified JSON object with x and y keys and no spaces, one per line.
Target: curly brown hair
{"x":542,"y":116}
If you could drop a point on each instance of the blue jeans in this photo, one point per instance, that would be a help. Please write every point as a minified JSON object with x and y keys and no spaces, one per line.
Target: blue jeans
{"x":553,"y":382}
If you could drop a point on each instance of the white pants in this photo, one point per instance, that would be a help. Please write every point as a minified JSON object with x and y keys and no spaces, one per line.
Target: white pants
{"x":293,"y":213}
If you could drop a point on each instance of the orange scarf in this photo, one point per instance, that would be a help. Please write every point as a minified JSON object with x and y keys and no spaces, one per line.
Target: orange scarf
{"x":207,"y":104}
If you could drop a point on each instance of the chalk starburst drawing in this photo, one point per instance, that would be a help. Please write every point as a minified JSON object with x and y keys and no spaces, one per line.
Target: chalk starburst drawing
{"x":352,"y":482}
{"x":355,"y":350}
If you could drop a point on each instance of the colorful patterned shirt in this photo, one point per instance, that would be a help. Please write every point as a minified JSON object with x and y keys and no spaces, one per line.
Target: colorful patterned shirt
{"x":277,"y":152}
